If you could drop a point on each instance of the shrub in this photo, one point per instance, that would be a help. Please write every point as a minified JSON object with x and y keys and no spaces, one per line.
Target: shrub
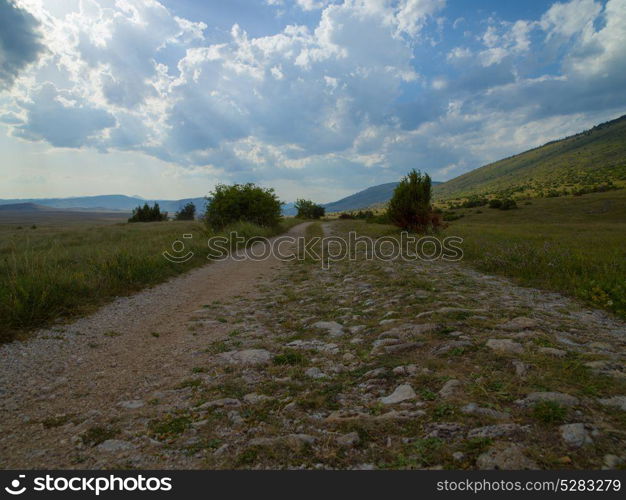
{"x":188,"y":212}
{"x":148,"y":214}
{"x":242,"y":203}
{"x":495,"y":203}
{"x":309,"y":210}
{"x":410,"y":207}
{"x":508,"y":204}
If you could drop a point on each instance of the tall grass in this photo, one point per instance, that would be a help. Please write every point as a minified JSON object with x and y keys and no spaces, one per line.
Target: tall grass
{"x":55,"y":272}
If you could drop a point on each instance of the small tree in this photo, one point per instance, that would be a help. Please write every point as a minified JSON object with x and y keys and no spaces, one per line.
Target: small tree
{"x":148,"y":214}
{"x":309,"y":210}
{"x":410,"y":207}
{"x":188,"y":212}
{"x":242,"y":202}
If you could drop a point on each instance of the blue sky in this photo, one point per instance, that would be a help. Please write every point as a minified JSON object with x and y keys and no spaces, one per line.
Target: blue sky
{"x":316,"y":98}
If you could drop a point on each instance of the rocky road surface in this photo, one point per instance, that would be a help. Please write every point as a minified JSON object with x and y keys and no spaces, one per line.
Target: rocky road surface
{"x":364,"y":365}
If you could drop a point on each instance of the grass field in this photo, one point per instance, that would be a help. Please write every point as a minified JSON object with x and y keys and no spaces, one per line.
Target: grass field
{"x":61,"y":269}
{"x":572,"y":245}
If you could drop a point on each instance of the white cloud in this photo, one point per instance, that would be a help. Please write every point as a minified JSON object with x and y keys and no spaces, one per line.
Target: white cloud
{"x":313,"y":102}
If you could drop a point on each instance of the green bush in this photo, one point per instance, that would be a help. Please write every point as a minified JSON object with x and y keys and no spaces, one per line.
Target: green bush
{"x":148,"y":214}
{"x":309,"y":210}
{"x":242,"y":203}
{"x":188,"y":212}
{"x":410,"y":207}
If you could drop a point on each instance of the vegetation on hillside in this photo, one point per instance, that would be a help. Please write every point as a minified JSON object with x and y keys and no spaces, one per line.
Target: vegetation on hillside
{"x":242,"y":203}
{"x":592,"y":161}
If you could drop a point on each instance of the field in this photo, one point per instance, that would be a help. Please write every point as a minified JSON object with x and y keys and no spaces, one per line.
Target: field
{"x":572,"y":245}
{"x":61,"y":267}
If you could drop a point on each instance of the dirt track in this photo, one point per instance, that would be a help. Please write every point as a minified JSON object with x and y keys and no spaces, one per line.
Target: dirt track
{"x":125,"y":351}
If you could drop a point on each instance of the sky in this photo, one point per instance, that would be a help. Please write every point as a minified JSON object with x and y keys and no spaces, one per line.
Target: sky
{"x":316,"y":98}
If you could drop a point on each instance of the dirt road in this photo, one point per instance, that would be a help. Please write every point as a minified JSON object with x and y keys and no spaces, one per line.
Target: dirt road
{"x":367,"y":364}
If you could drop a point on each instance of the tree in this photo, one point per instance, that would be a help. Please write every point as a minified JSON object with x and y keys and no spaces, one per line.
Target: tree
{"x":309,"y":210}
{"x":410,"y":207}
{"x":242,"y":202}
{"x":188,"y":212}
{"x":148,"y":214}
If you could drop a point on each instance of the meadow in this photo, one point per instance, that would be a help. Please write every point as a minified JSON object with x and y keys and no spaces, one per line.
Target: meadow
{"x":572,"y":245}
{"x":60,"y":269}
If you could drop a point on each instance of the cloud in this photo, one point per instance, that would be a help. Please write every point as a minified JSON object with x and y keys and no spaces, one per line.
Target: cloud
{"x":356,"y":92}
{"x":59,"y":119}
{"x":20,"y":42}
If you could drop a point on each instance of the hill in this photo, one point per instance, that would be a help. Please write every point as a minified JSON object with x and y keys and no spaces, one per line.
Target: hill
{"x":25,"y":207}
{"x":369,"y":197}
{"x":108,"y":202}
{"x":588,"y":161}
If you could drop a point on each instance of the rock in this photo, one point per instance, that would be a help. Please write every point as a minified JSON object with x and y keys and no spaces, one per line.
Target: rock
{"x":314,"y":345}
{"x":506,"y":346}
{"x":458,"y":456}
{"x":315,"y":372}
{"x":474,"y":409}
{"x":575,"y":435}
{"x":616,"y":401}
{"x":247,"y":357}
{"x":333,"y":328}
{"x":495,"y":431}
{"x":448,"y":346}
{"x":521,"y":369}
{"x":449,"y":388}
{"x":554,"y":397}
{"x":132,"y":404}
{"x":612,"y":461}
{"x":254,"y":398}
{"x":296,"y":440}
{"x":405,"y":370}
{"x":451,"y":310}
{"x":403,"y":392}
{"x":551,"y":351}
{"x":423,"y":328}
{"x":505,"y":457}
{"x":348,"y":440}
{"x":380,"y":343}
{"x":520,"y":323}
{"x":235,"y":417}
{"x":115,"y":446}
{"x":444,"y":430}
{"x":377,"y":372}
{"x":356,"y":328}
{"x":225,"y":402}
{"x":406,"y":346}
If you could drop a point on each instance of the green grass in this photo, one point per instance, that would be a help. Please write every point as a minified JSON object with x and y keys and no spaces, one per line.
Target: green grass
{"x":61,"y":271}
{"x":573,"y":245}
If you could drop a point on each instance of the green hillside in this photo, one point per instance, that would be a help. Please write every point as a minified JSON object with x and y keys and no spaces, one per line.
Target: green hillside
{"x":593,"y":160}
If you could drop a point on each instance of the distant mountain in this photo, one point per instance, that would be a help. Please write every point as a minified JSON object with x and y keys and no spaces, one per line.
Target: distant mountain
{"x":25,"y":207}
{"x":108,"y":202}
{"x":582,"y":161}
